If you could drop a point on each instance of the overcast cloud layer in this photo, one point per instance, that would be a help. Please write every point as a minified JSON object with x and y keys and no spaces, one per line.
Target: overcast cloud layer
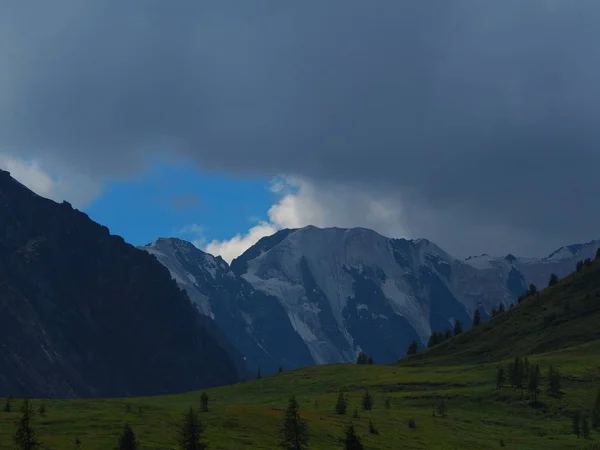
{"x":479,"y":120}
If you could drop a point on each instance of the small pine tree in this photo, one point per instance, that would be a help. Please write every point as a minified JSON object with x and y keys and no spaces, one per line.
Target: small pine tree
{"x":412,"y":348}
{"x":25,"y":437}
{"x":127,"y":441}
{"x":190,"y":433}
{"x":532,"y":289}
{"x":534,"y":383}
{"x":553,"y":279}
{"x":294,"y":429}
{"x":362,"y":358}
{"x":554,"y":381}
{"x":447,"y":334}
{"x":585,"y":428}
{"x":351,"y":440}
{"x":8,"y":404}
{"x":579,"y":266}
{"x":575,"y":424}
{"x":77,"y":443}
{"x":412,"y":424}
{"x":494,"y":312}
{"x":341,"y":405}
{"x":367,"y":401}
{"x":370,"y":361}
{"x":598,"y":253}
{"x":458,"y":328}
{"x":204,"y":402}
{"x":42,"y":410}
{"x":355,"y":414}
{"x":501,"y":308}
{"x":387,"y":403}
{"x":596,"y":413}
{"x":258,"y":374}
{"x":441,"y":409}
{"x":500,"y":377}
{"x":280,"y":370}
{"x":372,"y":428}
{"x":476,"y":318}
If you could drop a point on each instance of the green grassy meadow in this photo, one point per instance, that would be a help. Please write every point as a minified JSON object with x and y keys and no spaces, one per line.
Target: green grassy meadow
{"x":248,"y":414}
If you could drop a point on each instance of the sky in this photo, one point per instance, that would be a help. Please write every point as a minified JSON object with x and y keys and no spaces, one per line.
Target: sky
{"x":472,"y":123}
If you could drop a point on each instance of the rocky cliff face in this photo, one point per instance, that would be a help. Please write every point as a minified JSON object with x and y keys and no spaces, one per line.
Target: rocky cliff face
{"x":82,"y":313}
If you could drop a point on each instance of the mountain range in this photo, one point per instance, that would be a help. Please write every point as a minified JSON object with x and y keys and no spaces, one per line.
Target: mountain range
{"x":311,"y":295}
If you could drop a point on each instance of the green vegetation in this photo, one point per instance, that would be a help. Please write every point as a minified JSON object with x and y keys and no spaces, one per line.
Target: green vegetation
{"x":528,"y":378}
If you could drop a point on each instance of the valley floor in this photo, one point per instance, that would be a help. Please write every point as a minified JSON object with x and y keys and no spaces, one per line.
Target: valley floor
{"x":248,"y":414}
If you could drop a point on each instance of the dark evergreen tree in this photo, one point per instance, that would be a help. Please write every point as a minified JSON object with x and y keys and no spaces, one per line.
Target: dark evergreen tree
{"x":585,"y":428}
{"x":494,"y":312}
{"x":532,"y":289}
{"x":575,"y":424}
{"x":447,"y":334}
{"x":352,"y":441}
{"x":8,"y":404}
{"x":258,"y":374}
{"x":25,"y":437}
{"x":77,"y":443}
{"x":42,"y":410}
{"x":372,"y":428}
{"x":534,"y":383}
{"x":127,"y":441}
{"x":579,"y":266}
{"x":412,"y":424}
{"x":501,"y":308}
{"x":441,"y":409}
{"x":362,"y":358}
{"x":367,"y":401}
{"x":387,"y":403}
{"x":280,"y":370}
{"x":204,"y":402}
{"x":190,"y":433}
{"x":598,"y":253}
{"x":370,"y":361}
{"x":458,"y":328}
{"x":342,"y":404}
{"x":596,"y":413}
{"x":587,"y":262}
{"x":476,"y":318}
{"x":554,"y":381}
{"x":412,"y":348}
{"x":294,"y":429}
{"x":553,"y":279}
{"x":500,"y":377}
{"x":355,"y":414}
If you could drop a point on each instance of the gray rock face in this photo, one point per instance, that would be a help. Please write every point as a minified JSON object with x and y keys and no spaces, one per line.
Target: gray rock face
{"x":326,"y":294}
{"x":83,"y":314}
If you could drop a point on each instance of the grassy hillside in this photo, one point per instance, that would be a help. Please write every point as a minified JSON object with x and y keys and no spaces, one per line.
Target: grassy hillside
{"x":248,"y":414}
{"x":560,"y":327}
{"x":560,"y":316}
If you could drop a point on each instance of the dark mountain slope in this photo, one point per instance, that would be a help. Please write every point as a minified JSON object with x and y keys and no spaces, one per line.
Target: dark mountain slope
{"x":560,"y":316}
{"x":82,"y":313}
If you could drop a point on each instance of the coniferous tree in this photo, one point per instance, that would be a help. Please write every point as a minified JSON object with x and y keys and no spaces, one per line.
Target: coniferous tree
{"x":553,"y":380}
{"x":494,"y":312}
{"x":598,"y":253}
{"x":412,"y":348}
{"x":341,"y":404}
{"x":532,"y":289}
{"x":387,"y":403}
{"x":42,"y":410}
{"x":372,"y":428}
{"x":476,"y":318}
{"x":367,"y":401}
{"x":579,"y":266}
{"x":25,"y":437}
{"x":501,"y":308}
{"x":442,"y":408}
{"x":596,"y":413}
{"x":458,"y":328}
{"x":355,"y":413}
{"x":447,"y":334}
{"x":77,"y":443}
{"x":362,"y":358}
{"x":280,"y":370}
{"x":8,"y":404}
{"x":294,"y":429}
{"x":534,"y":383}
{"x":500,"y":377}
{"x":585,"y":428}
{"x":190,"y":433}
{"x":258,"y":374}
{"x":370,"y":360}
{"x":575,"y":424}
{"x":127,"y":441}
{"x":352,"y":441}
{"x":204,"y":401}
{"x":553,"y":279}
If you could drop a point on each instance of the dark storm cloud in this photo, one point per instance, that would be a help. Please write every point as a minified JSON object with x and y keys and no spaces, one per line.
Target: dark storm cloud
{"x":487,"y":110}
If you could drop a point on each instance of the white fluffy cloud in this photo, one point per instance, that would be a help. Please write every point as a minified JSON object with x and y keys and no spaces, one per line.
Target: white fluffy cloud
{"x":79,"y":190}
{"x":303,"y":203}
